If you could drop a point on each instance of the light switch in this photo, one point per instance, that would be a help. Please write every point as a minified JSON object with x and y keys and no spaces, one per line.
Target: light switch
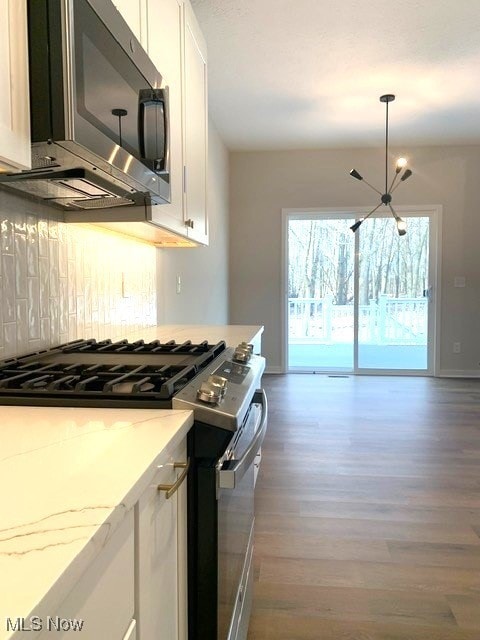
{"x":179,"y":284}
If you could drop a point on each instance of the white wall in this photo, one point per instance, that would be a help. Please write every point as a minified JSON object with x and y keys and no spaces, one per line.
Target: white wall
{"x":61,"y":282}
{"x":203,"y":270}
{"x":262,"y":183}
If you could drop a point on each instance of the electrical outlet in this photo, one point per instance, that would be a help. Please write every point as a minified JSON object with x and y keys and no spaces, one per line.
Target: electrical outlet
{"x":178,"y":282}
{"x":457,"y":347}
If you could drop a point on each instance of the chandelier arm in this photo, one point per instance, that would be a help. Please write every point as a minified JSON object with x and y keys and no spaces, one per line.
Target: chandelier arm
{"x":372,"y":211}
{"x":395,"y":187}
{"x":372,"y":187}
{"x":393,"y":182}
{"x":356,"y":225}
{"x":394,"y":214}
{"x":401,"y":227}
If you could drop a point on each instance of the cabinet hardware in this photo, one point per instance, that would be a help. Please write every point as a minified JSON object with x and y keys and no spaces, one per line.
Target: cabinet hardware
{"x":172,"y":488}
{"x":189,"y":223}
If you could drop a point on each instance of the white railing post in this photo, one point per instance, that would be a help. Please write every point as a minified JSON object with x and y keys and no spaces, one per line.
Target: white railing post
{"x":305,"y":317}
{"x":373,"y":319}
{"x":327,"y":317}
{"x":382,"y":318}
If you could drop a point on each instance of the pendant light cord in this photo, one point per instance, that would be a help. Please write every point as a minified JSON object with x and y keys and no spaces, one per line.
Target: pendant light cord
{"x":386,"y":147}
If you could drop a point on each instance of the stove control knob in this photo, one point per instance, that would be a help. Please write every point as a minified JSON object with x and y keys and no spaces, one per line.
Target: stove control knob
{"x":240,"y":355}
{"x":209,"y":393}
{"x":212,"y":390}
{"x":243,"y":352}
{"x":219,"y":381}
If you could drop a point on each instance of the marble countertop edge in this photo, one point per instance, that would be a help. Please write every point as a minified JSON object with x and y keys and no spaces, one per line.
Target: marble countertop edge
{"x":76,"y":555}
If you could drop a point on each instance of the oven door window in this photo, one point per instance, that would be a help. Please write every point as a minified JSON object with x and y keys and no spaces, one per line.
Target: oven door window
{"x":112,"y":94}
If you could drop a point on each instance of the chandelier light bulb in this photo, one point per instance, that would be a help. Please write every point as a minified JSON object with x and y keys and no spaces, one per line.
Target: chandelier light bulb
{"x":401,"y":226}
{"x":401,"y":162}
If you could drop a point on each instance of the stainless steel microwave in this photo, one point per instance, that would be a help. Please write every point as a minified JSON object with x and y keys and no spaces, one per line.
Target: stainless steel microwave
{"x":99,"y":110}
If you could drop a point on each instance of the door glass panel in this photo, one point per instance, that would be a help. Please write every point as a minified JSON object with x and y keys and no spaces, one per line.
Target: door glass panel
{"x":393,"y":302}
{"x":320,"y":294}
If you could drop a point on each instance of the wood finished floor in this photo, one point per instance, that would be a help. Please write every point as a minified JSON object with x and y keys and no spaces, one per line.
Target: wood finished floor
{"x":368,"y":510}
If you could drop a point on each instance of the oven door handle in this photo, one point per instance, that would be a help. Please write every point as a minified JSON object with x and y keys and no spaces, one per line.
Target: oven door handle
{"x":229,"y":478}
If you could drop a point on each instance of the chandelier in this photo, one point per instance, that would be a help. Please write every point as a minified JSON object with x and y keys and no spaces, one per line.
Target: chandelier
{"x":386,"y":197}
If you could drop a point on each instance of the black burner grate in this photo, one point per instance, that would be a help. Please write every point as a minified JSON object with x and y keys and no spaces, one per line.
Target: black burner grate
{"x":105,"y":373}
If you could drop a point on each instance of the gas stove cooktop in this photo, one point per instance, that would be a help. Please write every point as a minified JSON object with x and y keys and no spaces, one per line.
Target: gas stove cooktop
{"x":105,"y":373}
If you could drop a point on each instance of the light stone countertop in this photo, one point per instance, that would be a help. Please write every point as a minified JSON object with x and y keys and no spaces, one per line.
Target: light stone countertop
{"x":67,"y":478}
{"x":233,"y":334}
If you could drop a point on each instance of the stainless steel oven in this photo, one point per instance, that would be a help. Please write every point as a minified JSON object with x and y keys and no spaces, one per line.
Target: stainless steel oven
{"x":235,"y":471}
{"x":231,"y":418}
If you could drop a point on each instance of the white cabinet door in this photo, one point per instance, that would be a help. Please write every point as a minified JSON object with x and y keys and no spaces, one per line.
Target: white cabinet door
{"x":134,"y":13}
{"x":196,"y":128}
{"x":161,"y":588}
{"x":165,"y":51}
{"x":104,"y":596}
{"x":14,"y":101}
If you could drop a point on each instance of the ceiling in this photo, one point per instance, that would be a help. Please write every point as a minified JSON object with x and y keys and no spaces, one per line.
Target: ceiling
{"x":306,"y":74}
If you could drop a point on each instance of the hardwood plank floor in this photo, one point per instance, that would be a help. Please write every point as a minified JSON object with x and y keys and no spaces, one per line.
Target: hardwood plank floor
{"x":368,"y":510}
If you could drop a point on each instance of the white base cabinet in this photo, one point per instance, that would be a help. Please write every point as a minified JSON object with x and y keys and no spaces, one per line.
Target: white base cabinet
{"x":136,"y":588}
{"x":161,"y":526}
{"x":104,"y":597}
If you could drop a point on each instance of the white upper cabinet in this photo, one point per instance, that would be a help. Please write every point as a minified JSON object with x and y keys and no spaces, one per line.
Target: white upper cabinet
{"x":196,"y":128}
{"x":165,"y":50}
{"x":169,"y":32}
{"x":134,"y":13}
{"x":14,"y":97}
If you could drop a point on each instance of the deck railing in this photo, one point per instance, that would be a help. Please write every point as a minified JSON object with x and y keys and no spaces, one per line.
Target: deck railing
{"x":393,"y":321}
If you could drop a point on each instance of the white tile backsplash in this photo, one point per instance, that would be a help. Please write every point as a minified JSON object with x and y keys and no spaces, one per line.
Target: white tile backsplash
{"x":61,"y":282}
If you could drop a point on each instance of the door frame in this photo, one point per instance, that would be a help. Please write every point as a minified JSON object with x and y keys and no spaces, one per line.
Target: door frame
{"x":435,"y":213}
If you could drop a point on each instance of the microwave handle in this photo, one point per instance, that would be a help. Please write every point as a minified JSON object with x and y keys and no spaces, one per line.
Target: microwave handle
{"x":229,"y":478}
{"x":153,"y":127}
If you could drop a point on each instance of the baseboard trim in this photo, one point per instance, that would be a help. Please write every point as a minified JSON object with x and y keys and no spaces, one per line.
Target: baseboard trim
{"x":458,"y":373}
{"x":274,"y":370}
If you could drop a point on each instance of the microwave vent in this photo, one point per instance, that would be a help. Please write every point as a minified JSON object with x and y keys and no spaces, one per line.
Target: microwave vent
{"x":101,"y":203}
{"x":43,"y":162}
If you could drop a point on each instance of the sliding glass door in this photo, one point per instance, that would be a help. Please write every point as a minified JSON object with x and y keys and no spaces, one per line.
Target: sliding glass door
{"x":393,"y":292}
{"x":359,"y":302}
{"x":321,"y":267}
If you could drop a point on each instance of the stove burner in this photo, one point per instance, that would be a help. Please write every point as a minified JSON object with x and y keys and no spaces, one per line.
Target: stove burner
{"x":105,"y":373}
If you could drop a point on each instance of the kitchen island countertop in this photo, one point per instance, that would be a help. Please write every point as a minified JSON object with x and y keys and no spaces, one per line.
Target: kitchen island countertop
{"x":67,"y":478}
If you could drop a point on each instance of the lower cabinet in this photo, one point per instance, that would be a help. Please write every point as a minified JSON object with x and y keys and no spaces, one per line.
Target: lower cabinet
{"x":136,"y":588}
{"x":161,"y":525}
{"x":104,"y":597}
